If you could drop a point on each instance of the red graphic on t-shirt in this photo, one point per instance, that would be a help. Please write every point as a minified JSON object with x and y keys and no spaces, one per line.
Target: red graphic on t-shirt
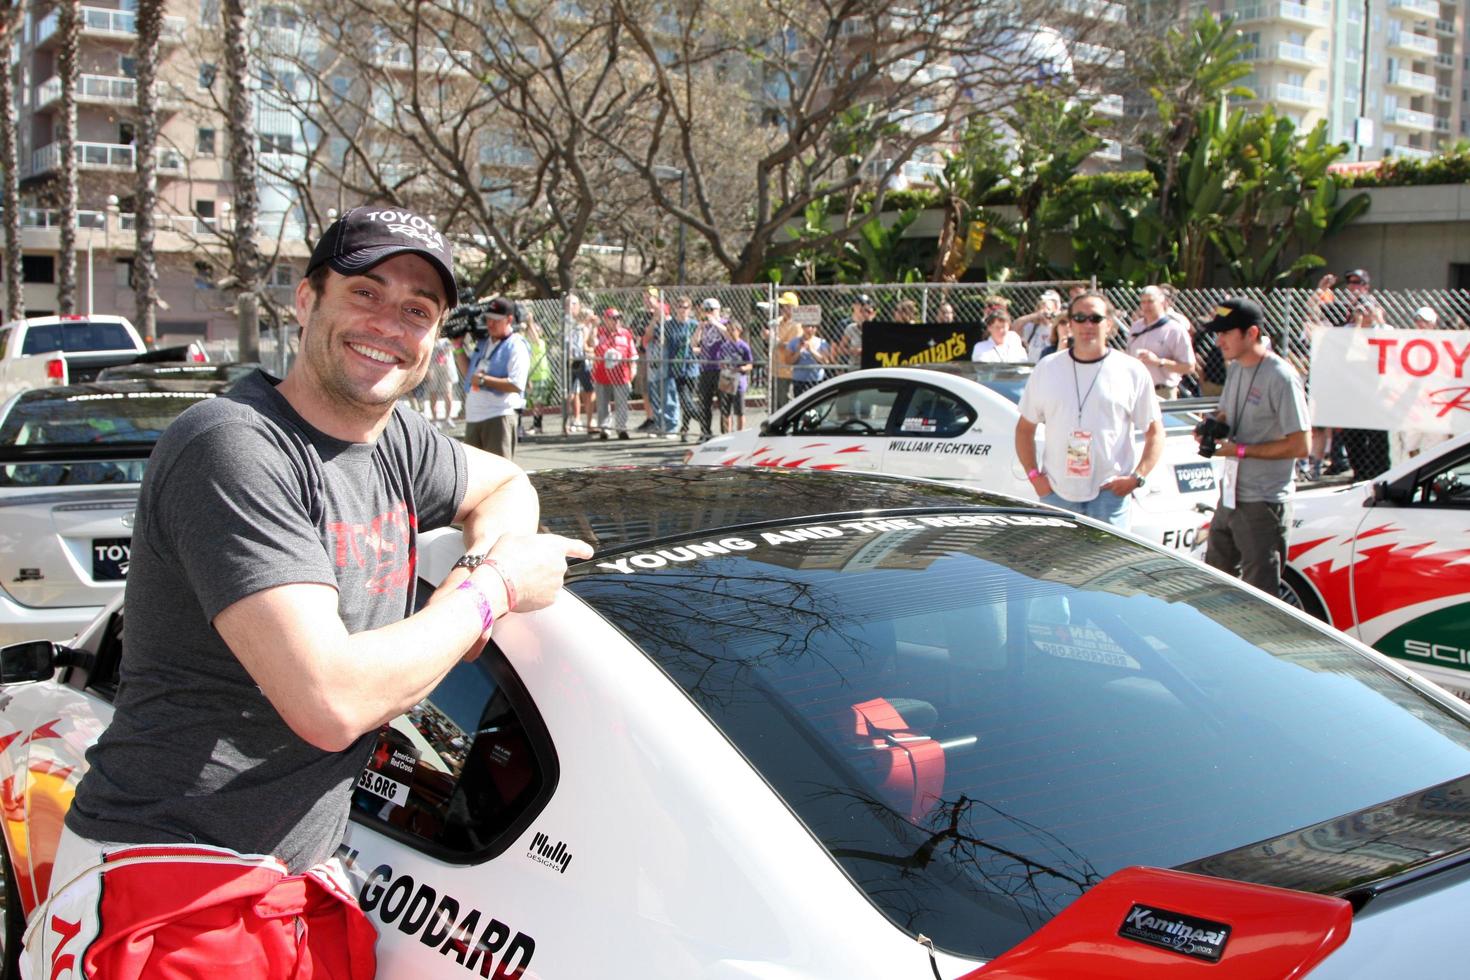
{"x":383,"y":547}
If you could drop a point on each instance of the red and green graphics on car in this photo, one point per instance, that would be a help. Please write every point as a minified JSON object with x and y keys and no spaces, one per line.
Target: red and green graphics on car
{"x":1440,"y":638}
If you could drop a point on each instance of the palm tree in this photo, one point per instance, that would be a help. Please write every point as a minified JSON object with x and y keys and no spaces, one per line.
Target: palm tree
{"x":68,"y":24}
{"x":240,"y":109}
{"x":15,"y":302}
{"x":145,"y":195}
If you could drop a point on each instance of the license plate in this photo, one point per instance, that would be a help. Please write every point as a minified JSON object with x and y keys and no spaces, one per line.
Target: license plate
{"x":110,"y":558}
{"x":1194,"y":477}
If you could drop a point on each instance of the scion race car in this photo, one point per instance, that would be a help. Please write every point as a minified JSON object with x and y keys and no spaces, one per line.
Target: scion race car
{"x":957,"y":423}
{"x":71,"y":459}
{"x":810,"y":726}
{"x":1388,"y":562}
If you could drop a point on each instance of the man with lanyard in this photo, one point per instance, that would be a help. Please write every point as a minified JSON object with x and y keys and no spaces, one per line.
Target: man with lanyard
{"x":271,"y":633}
{"x":495,"y":378}
{"x":1266,"y":409}
{"x":1092,"y":401}
{"x":1161,"y":342}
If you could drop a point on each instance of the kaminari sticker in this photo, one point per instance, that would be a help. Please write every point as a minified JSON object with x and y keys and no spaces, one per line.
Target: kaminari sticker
{"x":1175,"y":931}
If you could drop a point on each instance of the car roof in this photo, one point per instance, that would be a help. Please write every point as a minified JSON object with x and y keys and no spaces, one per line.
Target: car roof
{"x":46,"y":321}
{"x":613,"y":508}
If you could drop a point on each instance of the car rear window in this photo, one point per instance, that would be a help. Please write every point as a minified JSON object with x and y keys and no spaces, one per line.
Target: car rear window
{"x":982,"y":715}
{"x":76,"y":337}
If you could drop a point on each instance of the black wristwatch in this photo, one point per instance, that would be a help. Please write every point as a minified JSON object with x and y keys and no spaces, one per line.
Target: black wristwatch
{"x":1136,"y":475}
{"x":471,"y":562}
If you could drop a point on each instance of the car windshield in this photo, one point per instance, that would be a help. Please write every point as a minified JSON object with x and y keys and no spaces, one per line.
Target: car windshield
{"x":76,"y":337}
{"x":88,"y":417}
{"x":982,"y":715}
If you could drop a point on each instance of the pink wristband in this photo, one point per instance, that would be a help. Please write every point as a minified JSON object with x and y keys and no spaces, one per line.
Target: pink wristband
{"x":487,"y":612}
{"x":510,"y":588}
{"x":1239,"y":451}
{"x":1032,"y":473}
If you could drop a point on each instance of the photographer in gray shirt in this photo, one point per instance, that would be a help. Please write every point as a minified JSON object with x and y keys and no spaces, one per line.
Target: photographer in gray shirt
{"x":1261,"y":428}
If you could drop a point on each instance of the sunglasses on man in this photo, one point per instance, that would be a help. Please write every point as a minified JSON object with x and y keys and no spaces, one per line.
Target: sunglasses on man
{"x":1088,"y":318}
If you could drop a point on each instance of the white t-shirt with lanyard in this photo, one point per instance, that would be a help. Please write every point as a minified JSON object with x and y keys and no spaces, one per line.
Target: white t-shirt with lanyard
{"x":1091,"y":410}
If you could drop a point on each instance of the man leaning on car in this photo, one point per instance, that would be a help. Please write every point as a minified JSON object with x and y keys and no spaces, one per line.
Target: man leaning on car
{"x":271,"y":631}
{"x":1265,"y":409}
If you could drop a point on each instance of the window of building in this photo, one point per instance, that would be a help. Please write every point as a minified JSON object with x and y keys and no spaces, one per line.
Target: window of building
{"x":203,"y":276}
{"x":209,"y":11}
{"x":280,"y":17}
{"x":207,"y":73}
{"x":38,"y":268}
{"x":123,"y":274}
{"x":283,"y":276}
{"x":204,"y":209}
{"x":275,"y":143}
{"x":340,"y":85}
{"x":126,"y":134}
{"x":127,"y":65}
{"x":204,"y":143}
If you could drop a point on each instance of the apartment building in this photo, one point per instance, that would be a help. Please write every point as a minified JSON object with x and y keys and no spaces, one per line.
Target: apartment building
{"x":193,"y":179}
{"x":1387,"y":75}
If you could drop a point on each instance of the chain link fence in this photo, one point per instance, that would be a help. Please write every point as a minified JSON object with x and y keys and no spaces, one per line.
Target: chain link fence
{"x":706,"y":352}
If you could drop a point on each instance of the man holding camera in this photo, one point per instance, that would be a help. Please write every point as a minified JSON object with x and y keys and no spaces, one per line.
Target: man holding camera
{"x":495,"y":377}
{"x":1259,"y":432}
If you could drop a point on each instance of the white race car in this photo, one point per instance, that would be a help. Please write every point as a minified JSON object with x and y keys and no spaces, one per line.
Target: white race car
{"x":957,"y":423}
{"x":808,"y":726}
{"x":1388,"y":562}
{"x":71,"y":458}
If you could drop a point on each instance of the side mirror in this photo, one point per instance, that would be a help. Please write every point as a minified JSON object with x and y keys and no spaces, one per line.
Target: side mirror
{"x":765,"y":427}
{"x":1395,"y":494}
{"x":34,"y":660}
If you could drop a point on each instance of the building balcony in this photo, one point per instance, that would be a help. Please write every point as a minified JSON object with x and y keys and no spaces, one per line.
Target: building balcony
{"x":1299,"y":54}
{"x":1411,"y":119}
{"x":1415,"y":9}
{"x":108,"y":90}
{"x":1444,"y":93}
{"x":1111,"y":151}
{"x":1103,"y":10}
{"x":51,"y":218}
{"x":189,"y":225}
{"x":1418,"y":45}
{"x":1299,"y":95}
{"x":1445,"y":60}
{"x":1104,"y":105}
{"x":108,"y":25}
{"x":398,"y":57}
{"x":1442,"y":124}
{"x":1411,"y":81}
{"x":1285,"y":11}
{"x":1099,"y":55}
{"x":1410,"y":152}
{"x":1444,"y":28}
{"x":116,"y":157}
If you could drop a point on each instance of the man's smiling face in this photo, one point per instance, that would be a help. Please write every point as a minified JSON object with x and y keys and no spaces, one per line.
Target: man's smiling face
{"x":367,"y":339}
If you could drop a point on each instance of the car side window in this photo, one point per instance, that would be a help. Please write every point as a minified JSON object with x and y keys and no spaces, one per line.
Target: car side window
{"x":848,"y":411}
{"x":464,"y":771}
{"x":1446,"y":487}
{"x":931,"y":412}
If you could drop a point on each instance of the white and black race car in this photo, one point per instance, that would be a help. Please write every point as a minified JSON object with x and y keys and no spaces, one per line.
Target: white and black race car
{"x":814,"y":726}
{"x":957,"y":423}
{"x":71,"y":459}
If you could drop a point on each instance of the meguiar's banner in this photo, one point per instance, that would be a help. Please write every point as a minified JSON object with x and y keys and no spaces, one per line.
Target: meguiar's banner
{"x":888,"y":344}
{"x":1381,"y":378}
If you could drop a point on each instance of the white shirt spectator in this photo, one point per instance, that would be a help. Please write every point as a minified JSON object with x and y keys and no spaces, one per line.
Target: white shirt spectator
{"x":515,"y":361}
{"x":1010,"y":350}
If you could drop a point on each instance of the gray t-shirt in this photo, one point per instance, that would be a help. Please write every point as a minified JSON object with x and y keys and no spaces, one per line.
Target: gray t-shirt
{"x":1262,"y":403}
{"x":242,"y":495}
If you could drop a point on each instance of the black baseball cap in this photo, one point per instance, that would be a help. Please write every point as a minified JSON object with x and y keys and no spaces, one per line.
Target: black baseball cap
{"x":500,"y":306}
{"x":863,"y":299}
{"x":1358,"y":274}
{"x":1236,"y":313}
{"x":368,"y":235}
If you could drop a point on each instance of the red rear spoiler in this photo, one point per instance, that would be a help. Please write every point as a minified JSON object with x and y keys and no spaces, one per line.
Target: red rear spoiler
{"x":1142,"y":923}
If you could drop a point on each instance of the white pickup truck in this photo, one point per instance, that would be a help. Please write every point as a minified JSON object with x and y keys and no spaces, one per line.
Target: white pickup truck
{"x":58,"y":350}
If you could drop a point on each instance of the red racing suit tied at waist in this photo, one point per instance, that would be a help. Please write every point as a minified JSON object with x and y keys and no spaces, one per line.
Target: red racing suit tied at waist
{"x":175,"y":911}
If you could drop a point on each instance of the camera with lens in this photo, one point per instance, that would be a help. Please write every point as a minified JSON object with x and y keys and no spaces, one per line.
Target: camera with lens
{"x":466,"y":320}
{"x":1210,"y":432}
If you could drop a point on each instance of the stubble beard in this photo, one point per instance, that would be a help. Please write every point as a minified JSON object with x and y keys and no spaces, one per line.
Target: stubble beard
{"x":335,"y":381}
